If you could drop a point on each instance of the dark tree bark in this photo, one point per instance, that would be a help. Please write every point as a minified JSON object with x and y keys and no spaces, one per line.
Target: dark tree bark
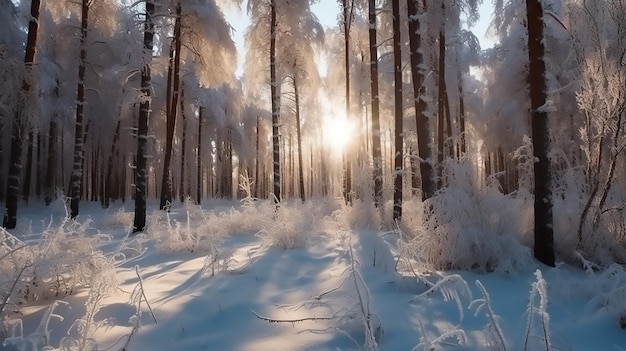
{"x":29,"y":166}
{"x":77,"y":168}
{"x":184,"y":190}
{"x":166,"y":181}
{"x":544,"y":234}
{"x":441,"y":107}
{"x":398,"y":132}
{"x":199,"y":157}
{"x":108,"y":182}
{"x":449,"y":133}
{"x":347,"y":21}
{"x":419,"y":97}
{"x":462,"y":147}
{"x":299,"y":136}
{"x":275,"y":103}
{"x":376,"y":147}
{"x":95,"y":167}
{"x":226,"y":167}
{"x":141,"y":176}
{"x":15,"y":157}
{"x":39,"y":178}
{"x":257,"y":177}
{"x":51,"y":170}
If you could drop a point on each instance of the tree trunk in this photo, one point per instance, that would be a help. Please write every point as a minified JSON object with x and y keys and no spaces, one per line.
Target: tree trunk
{"x":141,"y":173}
{"x":419,"y":99}
{"x":299,"y":136}
{"x":51,"y":170}
{"x":441,"y":99}
{"x":15,"y":157}
{"x":29,"y":167}
{"x":108,"y":182}
{"x":228,"y":165}
{"x":199,"y":158}
{"x":77,"y":168}
{"x":257,"y":178}
{"x":347,"y":21}
{"x":398,"y":132}
{"x":95,"y":164}
{"x":275,"y":103}
{"x":40,"y":175}
{"x":166,"y":182}
{"x":449,"y":135}
{"x":544,"y":235}
{"x":376,"y":147}
{"x":184,"y":191}
{"x":462,"y":147}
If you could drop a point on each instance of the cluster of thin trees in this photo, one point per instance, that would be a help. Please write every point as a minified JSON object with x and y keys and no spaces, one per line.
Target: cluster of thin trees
{"x":106,"y":100}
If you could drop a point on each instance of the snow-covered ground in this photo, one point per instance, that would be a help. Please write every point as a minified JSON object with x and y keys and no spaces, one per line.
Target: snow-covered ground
{"x":244,"y":277}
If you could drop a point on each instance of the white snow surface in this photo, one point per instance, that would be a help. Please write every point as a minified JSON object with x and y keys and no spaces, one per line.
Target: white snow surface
{"x":207,"y":273}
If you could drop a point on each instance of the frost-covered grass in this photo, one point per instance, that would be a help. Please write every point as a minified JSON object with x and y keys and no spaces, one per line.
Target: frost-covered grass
{"x":456,"y":273}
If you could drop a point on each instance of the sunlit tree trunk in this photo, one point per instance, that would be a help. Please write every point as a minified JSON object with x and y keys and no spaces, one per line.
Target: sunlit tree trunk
{"x":166,"y":181}
{"x":398,"y":132}
{"x":544,"y":235}
{"x":77,"y":168}
{"x":15,"y":157}
{"x":376,"y":147}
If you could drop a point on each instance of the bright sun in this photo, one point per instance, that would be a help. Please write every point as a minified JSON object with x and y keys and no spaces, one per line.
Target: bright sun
{"x":338,"y":132}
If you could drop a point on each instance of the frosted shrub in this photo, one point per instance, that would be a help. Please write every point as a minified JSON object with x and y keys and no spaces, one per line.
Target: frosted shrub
{"x":62,"y":261}
{"x":121,"y":217}
{"x":601,"y":236}
{"x":249,"y":218}
{"x":287,"y":228}
{"x":189,"y":228}
{"x":603,"y":288}
{"x":471,"y":229}
{"x":182,"y":229}
{"x":360,"y":215}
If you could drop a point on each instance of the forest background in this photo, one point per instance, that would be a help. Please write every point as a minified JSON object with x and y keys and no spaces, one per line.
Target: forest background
{"x":142,"y":102}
